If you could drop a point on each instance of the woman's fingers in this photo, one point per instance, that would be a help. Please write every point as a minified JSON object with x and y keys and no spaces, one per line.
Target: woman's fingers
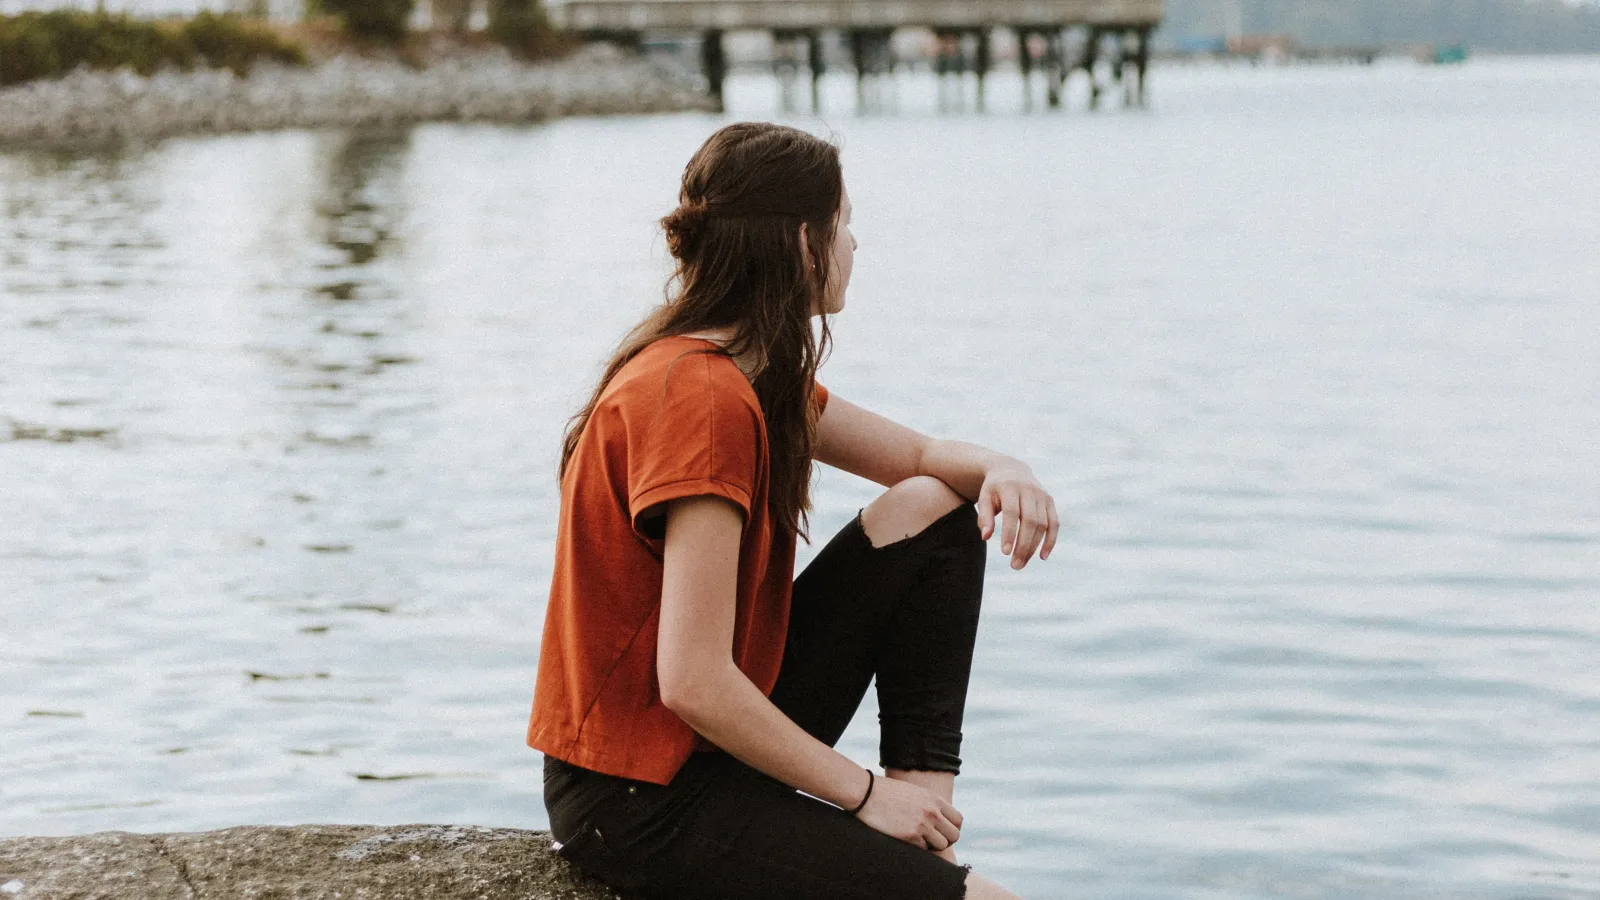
{"x":1033,"y":522}
{"x":1028,"y":523}
{"x":1010,"y":509}
{"x":950,"y":812}
{"x":1054,"y":528}
{"x":1039,"y":517}
{"x":986,"y":511}
{"x":1027,"y":529}
{"x":941,"y":824}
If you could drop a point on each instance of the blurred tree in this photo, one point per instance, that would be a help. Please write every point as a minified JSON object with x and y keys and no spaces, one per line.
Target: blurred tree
{"x":51,"y":44}
{"x":382,"y":19}
{"x":523,"y":27}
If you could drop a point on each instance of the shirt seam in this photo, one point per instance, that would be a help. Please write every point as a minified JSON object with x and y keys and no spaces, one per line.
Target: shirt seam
{"x":711,"y":478}
{"x":577,"y":735}
{"x":711,"y":415}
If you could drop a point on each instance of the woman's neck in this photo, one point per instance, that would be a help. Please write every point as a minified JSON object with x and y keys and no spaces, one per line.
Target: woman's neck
{"x":747,"y":362}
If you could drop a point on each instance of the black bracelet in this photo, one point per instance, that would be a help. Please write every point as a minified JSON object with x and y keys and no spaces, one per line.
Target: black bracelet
{"x":871,"y":780}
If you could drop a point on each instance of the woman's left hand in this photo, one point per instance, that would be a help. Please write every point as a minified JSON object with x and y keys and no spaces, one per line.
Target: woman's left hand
{"x":1029,"y":513}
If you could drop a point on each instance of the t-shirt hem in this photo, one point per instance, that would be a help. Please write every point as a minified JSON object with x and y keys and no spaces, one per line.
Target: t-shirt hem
{"x":658,"y":770}
{"x":689,"y":487}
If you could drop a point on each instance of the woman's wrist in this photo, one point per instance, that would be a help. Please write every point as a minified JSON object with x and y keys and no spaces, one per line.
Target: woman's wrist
{"x":1006,"y":465}
{"x":872,"y":779}
{"x":844,"y":788}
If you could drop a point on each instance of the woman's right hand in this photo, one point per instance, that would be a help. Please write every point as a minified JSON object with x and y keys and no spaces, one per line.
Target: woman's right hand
{"x":911,"y":813}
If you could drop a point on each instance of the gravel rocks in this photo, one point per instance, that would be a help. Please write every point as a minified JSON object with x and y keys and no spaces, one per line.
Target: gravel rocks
{"x":485,"y":86}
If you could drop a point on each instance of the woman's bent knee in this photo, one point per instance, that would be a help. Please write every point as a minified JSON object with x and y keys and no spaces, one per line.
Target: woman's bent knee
{"x":908,"y":508}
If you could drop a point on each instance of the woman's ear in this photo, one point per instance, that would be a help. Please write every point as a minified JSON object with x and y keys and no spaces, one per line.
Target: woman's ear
{"x":805,"y":246}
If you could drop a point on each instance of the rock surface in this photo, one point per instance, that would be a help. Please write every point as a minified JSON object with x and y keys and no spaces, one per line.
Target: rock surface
{"x":326,"y":862}
{"x":488,"y":85}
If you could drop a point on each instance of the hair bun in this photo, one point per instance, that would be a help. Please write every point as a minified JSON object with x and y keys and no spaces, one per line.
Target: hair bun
{"x":684,"y":227}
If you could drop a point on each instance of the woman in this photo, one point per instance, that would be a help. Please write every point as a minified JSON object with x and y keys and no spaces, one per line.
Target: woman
{"x":689,"y":691}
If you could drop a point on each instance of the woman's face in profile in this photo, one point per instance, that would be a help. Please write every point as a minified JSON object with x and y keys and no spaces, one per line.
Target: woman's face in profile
{"x":844,"y":256}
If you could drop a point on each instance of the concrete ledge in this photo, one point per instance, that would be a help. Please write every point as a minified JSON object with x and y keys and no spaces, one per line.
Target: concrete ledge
{"x":326,"y":862}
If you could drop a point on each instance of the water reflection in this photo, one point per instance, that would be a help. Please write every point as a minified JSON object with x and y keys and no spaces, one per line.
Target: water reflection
{"x":1321,"y":622}
{"x":333,"y":330}
{"x":360,"y":209}
{"x":332,"y":341}
{"x":353,"y":304}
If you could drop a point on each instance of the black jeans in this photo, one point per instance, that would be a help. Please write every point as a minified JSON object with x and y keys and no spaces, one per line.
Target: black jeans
{"x":905,"y":613}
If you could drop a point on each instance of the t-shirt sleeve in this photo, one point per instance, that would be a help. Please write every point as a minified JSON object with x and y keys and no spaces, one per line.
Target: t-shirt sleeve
{"x":699,"y":436}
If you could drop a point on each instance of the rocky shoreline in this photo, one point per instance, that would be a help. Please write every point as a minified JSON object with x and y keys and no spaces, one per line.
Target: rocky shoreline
{"x":485,"y":85}
{"x":405,"y":862}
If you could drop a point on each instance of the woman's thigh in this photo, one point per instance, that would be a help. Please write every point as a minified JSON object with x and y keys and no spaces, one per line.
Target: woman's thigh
{"x":723,"y":831}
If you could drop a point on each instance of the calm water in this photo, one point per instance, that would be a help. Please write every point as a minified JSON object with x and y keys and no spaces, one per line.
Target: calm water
{"x":1310,"y":358}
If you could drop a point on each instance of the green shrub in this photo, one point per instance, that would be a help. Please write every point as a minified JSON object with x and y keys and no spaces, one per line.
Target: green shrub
{"x":26,"y":52}
{"x":380,"y":19}
{"x":523,"y":27}
{"x":51,"y":44}
{"x":143,"y":46}
{"x":228,"y":41}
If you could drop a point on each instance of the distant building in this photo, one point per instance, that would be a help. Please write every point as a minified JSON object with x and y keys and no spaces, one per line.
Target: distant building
{"x":1269,"y":47}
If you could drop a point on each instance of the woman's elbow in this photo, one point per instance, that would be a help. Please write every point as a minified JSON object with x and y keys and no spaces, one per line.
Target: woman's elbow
{"x":685,"y":691}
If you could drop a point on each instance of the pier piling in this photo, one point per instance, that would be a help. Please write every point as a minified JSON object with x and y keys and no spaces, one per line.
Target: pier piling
{"x":819,"y":67}
{"x":873,"y":56}
{"x":981,"y":59}
{"x":1090,"y":63}
{"x":1025,"y":63}
{"x":714,"y":62}
{"x":1141,"y":65}
{"x":1055,"y":67}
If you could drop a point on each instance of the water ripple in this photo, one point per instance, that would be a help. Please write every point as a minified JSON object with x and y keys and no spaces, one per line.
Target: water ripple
{"x":1313,"y":387}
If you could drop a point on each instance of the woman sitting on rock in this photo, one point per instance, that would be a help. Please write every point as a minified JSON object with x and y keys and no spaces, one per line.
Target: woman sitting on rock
{"x":689,"y":693}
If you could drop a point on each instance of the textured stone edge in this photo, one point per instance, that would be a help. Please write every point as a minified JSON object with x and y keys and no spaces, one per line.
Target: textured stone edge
{"x":441,"y":862}
{"x":177,"y":864}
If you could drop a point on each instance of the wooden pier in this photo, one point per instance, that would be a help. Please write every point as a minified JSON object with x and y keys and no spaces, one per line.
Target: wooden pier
{"x":1108,"y":40}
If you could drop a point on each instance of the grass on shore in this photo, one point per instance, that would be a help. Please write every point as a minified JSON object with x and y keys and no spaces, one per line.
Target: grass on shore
{"x":51,"y":44}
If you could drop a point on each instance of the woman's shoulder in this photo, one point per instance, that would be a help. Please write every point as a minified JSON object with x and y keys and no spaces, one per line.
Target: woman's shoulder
{"x":676,"y":370}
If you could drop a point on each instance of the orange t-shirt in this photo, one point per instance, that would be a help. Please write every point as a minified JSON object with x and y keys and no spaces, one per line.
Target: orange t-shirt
{"x":673,"y":422}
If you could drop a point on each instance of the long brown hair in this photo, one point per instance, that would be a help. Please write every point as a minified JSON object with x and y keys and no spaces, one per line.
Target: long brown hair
{"x":736,"y":238}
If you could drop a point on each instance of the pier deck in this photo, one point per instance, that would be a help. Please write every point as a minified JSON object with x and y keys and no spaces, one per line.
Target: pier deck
{"x":738,"y":15}
{"x":1112,"y":37}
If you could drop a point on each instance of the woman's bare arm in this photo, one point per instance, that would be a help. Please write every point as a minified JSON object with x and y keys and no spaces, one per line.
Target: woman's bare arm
{"x":700,"y":683}
{"x":881,"y":450}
